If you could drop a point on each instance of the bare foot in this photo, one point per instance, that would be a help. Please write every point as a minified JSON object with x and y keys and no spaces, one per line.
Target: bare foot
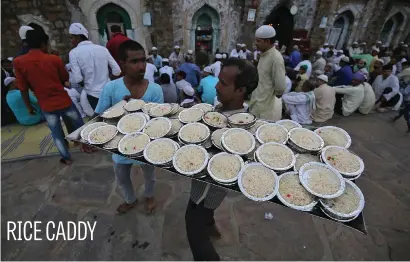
{"x":125,"y":207}
{"x":150,"y":204}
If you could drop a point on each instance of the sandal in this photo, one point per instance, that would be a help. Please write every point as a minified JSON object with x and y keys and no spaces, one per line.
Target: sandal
{"x":125,"y":207}
{"x":66,"y":161}
{"x":150,"y":205}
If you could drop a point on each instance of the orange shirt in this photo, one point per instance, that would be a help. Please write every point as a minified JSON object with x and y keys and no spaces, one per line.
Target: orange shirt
{"x":44,"y":74}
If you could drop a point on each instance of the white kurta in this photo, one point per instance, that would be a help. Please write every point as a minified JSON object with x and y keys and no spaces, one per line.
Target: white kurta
{"x":352,"y":99}
{"x":298,"y":106}
{"x":319,"y":65}
{"x":235,"y":53}
{"x":216,"y":68}
{"x":380,"y":84}
{"x":368,"y":100}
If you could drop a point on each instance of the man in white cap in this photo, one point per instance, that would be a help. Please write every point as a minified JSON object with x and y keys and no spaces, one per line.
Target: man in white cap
{"x":377,"y":46}
{"x":272,"y":81}
{"x":206,"y":89}
{"x":237,"y":52}
{"x":156,"y":58}
{"x":325,"y":97}
{"x":246,"y":53}
{"x":186,"y":92}
{"x":354,"y":49}
{"x":324,"y":48}
{"x":305,"y":61}
{"x":166,"y":69}
{"x":117,"y":38}
{"x":363,"y":48}
{"x":90,"y":63}
{"x":216,"y":67}
{"x":224,"y":56}
{"x":319,"y":63}
{"x":344,"y":74}
{"x":22,"y":33}
{"x":176,"y":58}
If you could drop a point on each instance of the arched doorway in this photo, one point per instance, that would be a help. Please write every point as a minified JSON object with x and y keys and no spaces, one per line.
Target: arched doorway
{"x":112,"y":14}
{"x":391,"y":28}
{"x":282,"y":20}
{"x":205,"y":29}
{"x":341,"y":30}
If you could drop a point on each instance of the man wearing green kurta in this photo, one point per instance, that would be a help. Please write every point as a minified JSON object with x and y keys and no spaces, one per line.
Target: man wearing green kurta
{"x":272,"y":81}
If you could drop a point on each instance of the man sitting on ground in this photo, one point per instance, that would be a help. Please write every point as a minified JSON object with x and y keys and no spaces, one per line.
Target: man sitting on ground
{"x":351,"y":97}
{"x":307,"y":63}
{"x":300,"y":105}
{"x":301,"y":78}
{"x":386,"y":88}
{"x":368,"y":100}
{"x":325,"y":97}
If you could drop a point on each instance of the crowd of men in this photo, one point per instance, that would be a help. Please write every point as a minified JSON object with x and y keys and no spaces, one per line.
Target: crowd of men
{"x":37,"y":86}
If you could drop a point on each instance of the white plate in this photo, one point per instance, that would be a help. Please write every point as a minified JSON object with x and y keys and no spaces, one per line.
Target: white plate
{"x":167,"y":140}
{"x":347,"y":136}
{"x":207,"y":131}
{"x":166,"y":110}
{"x":220,"y":180}
{"x":116,"y":111}
{"x":125,"y":139}
{"x":166,"y":121}
{"x":284,"y":121}
{"x":202,"y":167}
{"x":197,"y":111}
{"x":204,"y":107}
{"x":129,"y":117}
{"x":227,"y":133}
{"x":113,"y":143}
{"x":268,"y":125}
{"x":222,"y":116}
{"x":134,"y":105}
{"x":259,"y":153}
{"x":351,"y":174}
{"x":108,"y":138}
{"x":304,"y":148}
{"x":90,"y":127}
{"x":218,"y":145}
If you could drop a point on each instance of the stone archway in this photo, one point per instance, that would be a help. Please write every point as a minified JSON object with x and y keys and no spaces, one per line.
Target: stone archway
{"x":341,"y":30}
{"x":206,"y":17}
{"x":283,"y":21}
{"x":393,"y":28}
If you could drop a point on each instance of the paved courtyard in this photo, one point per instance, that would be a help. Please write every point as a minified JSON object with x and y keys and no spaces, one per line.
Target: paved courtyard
{"x":44,"y":190}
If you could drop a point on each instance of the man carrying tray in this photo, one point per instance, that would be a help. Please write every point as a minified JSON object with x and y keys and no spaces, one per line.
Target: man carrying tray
{"x":235,"y":78}
{"x":132,"y":58}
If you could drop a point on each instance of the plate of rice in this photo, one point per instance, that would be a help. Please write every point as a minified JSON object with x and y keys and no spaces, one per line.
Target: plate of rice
{"x":147,"y":107}
{"x":224,"y":167}
{"x":102,"y":134}
{"x":133,"y":144}
{"x":275,"y":156}
{"x":131,"y":123}
{"x":190,"y":159}
{"x":241,"y":119}
{"x":258,"y":182}
{"x":113,"y":112}
{"x":204,"y":107}
{"x":272,"y":132}
{"x":175,"y":127}
{"x":160,"y":151}
{"x":238,"y":141}
{"x":288,"y":124}
{"x":257,"y":124}
{"x":113,"y":143}
{"x":215,"y":119}
{"x":303,"y":140}
{"x":175,"y":108}
{"x":134,"y":105}
{"x":292,"y":194}
{"x":346,"y":206}
{"x":190,"y":115}
{"x":157,"y":127}
{"x":334,"y":136}
{"x":321,"y":180}
{"x":160,"y":110}
{"x":194,"y":133}
{"x":302,"y":159}
{"x":343,"y":160}
{"x":216,"y":137}
{"x":90,"y":127}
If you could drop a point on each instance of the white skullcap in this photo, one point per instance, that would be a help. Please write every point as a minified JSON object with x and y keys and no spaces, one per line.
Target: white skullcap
{"x":8,"y":80}
{"x":326,"y":44}
{"x":276,"y":41}
{"x":406,"y":45}
{"x":402,"y":43}
{"x":243,"y":45}
{"x":276,"y":44}
{"x":295,"y":47}
{"x":154,"y":48}
{"x":265,"y":31}
{"x":218,"y":56}
{"x":190,"y":52}
{"x":78,"y":29}
{"x":403,"y":60}
{"x":188,"y":90}
{"x":238,"y":44}
{"x":345,"y":59}
{"x":340,"y":51}
{"x":177,"y":47}
{"x":381,"y":61}
{"x":364,"y":43}
{"x":379,"y":42}
{"x":223,"y":56}
{"x":23,"y":31}
{"x":324,"y":78}
{"x":165,"y":60}
{"x":375,"y":49}
{"x":355,"y":43}
{"x":208,"y":69}
{"x":10,"y":58}
{"x":319,"y":53}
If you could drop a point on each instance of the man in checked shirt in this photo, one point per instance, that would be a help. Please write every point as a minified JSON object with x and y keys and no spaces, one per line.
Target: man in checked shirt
{"x":235,"y":78}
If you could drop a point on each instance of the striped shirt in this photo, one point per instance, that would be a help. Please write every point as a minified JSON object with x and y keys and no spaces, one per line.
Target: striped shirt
{"x":201,"y":191}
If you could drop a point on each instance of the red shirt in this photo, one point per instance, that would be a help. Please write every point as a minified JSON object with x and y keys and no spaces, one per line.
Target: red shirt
{"x":113,"y":44}
{"x":44,"y":74}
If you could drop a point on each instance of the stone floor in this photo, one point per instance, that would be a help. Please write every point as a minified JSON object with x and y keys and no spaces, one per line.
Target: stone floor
{"x":44,"y":190}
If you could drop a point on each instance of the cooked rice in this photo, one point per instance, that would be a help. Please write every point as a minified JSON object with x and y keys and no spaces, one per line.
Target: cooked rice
{"x":132,"y":123}
{"x":238,"y":140}
{"x":323,"y":181}
{"x":333,"y":137}
{"x":225,"y":166}
{"x":134,"y":144}
{"x":87,"y":130}
{"x":113,"y":112}
{"x":257,"y":124}
{"x":204,"y":107}
{"x":190,"y":158}
{"x":275,"y":156}
{"x":134,"y":105}
{"x":176,"y":126}
{"x":161,"y":151}
{"x":157,"y":127}
{"x":293,"y":192}
{"x":305,"y":139}
{"x":191,"y":115}
{"x":148,"y":106}
{"x":102,"y":134}
{"x":289,"y":125}
{"x":241,"y":118}
{"x":176,"y":114}
{"x":347,"y":203}
{"x":342,"y":160}
{"x":217,"y":135}
{"x":272,"y":133}
{"x":160,"y":110}
{"x":302,"y":159}
{"x":258,"y":181}
{"x":194,"y":133}
{"x":215,"y":119}
{"x":113,"y":143}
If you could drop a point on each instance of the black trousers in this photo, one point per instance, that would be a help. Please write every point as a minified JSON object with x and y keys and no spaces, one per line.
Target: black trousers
{"x":93,"y":101}
{"x":339,"y":104}
{"x":197,"y":221}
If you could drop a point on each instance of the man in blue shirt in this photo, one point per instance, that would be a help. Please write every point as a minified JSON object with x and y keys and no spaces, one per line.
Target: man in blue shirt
{"x":191,"y":70}
{"x":133,"y":85}
{"x":156,"y":58}
{"x":295,"y":57}
{"x":344,"y":75}
{"x":206,"y":88}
